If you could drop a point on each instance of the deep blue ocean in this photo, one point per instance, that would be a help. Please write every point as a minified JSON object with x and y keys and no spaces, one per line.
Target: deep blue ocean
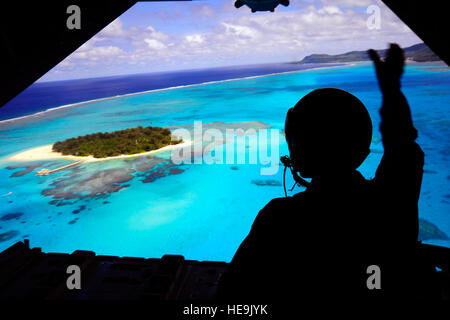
{"x":148,"y":206}
{"x":41,"y":96}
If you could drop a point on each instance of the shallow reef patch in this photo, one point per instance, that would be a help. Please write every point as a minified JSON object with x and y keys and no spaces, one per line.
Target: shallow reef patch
{"x":26,"y":168}
{"x":267,"y":182}
{"x":80,"y":208}
{"x":175,"y":171}
{"x":10,"y":216}
{"x":73,"y":221}
{"x":161,"y":169}
{"x":8,"y":235}
{"x":80,"y":185}
{"x":142,"y":164}
{"x":427,"y":230}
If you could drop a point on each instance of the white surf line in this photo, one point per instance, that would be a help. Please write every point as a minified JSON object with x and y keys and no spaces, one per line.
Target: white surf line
{"x":76,"y":104}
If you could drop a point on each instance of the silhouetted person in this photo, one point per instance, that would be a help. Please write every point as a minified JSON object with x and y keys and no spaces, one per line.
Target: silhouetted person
{"x":319,"y":243}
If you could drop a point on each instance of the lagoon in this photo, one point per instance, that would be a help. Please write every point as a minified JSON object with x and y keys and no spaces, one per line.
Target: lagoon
{"x":148,"y":206}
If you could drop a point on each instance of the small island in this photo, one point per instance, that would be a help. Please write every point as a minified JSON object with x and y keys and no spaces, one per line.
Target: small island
{"x":121,"y":142}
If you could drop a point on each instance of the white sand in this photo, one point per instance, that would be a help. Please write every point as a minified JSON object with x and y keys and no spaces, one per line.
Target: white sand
{"x":46,"y":153}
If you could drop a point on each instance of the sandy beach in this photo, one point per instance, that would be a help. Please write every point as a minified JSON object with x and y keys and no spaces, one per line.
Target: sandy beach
{"x":46,"y":153}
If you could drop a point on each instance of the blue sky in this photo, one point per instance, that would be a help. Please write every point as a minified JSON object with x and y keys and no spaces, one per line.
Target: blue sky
{"x":163,"y":36}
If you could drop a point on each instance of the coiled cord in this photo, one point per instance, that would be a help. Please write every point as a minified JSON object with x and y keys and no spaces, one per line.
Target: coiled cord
{"x":287,"y":162}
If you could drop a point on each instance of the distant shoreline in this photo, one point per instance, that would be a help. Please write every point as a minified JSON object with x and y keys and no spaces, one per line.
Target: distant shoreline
{"x":46,"y":153}
{"x":76,"y":104}
{"x":418,"y":52}
{"x":329,"y":65}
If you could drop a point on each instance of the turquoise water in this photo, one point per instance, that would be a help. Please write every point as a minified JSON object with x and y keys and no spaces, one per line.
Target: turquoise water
{"x":147,"y":206}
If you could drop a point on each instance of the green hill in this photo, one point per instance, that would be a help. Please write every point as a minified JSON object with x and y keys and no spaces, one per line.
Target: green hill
{"x":418,"y":52}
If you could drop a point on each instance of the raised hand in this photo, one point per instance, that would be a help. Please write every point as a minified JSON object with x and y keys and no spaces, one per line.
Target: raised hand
{"x":390,"y":69}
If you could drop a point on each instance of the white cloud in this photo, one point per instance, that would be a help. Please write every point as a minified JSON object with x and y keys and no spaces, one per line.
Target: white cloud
{"x":330,"y":10}
{"x":114,"y":29}
{"x":161,"y":36}
{"x":107,"y":51}
{"x":242,"y":37}
{"x":95,"y":53}
{"x":155,"y":44}
{"x":202,"y":10}
{"x":195,"y":38}
{"x":240,"y":30}
{"x":349,"y":3}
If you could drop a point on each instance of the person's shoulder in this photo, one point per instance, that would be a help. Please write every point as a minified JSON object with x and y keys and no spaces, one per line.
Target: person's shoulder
{"x":277,"y":209}
{"x":278,"y":204}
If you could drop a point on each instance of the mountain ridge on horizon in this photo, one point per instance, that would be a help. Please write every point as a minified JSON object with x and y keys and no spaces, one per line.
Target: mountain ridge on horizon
{"x":418,"y":52}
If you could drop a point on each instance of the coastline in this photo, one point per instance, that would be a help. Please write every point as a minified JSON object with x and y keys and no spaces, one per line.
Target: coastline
{"x":46,"y":153}
{"x":76,"y":104}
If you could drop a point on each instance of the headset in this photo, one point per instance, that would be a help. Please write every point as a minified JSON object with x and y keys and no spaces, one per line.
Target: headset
{"x":287,"y":162}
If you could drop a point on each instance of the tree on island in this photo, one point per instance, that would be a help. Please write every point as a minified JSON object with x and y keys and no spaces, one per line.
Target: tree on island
{"x":121,"y":142}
